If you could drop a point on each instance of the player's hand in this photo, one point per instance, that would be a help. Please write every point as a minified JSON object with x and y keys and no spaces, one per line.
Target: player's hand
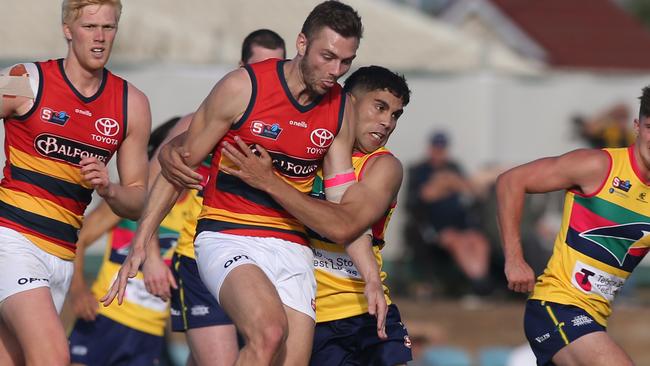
{"x":175,"y":170}
{"x":158,"y":278}
{"x":520,"y":276}
{"x":374,"y":292}
{"x":129,"y":269}
{"x":95,"y":173}
{"x":84,"y":304}
{"x":254,"y":167}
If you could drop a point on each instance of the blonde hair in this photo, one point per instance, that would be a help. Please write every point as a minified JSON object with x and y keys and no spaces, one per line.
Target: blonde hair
{"x":71,"y":9}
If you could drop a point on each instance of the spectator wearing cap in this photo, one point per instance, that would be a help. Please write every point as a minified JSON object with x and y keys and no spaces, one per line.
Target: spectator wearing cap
{"x":440,"y":222}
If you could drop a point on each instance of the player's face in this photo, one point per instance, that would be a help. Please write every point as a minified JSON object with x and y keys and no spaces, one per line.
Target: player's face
{"x":376,"y":114}
{"x":259,"y":54}
{"x":91,"y":36}
{"x":642,"y":128}
{"x":325,"y":58}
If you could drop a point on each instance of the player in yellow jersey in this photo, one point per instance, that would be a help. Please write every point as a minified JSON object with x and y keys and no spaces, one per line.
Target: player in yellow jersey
{"x":133,"y":332}
{"x":347,"y":329}
{"x":601,"y":240}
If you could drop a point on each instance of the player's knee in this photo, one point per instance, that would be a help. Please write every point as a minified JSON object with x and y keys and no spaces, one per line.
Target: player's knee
{"x":268,"y":340}
{"x":57,"y":355}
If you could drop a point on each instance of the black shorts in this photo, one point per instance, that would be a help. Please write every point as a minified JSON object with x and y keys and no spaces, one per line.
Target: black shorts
{"x":354,"y":341}
{"x":107,"y":342}
{"x":550,"y":326}
{"x":192,"y":305}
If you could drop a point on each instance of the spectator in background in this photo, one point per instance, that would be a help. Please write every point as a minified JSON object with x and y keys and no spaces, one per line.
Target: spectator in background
{"x":609,"y":128}
{"x":440,"y":221}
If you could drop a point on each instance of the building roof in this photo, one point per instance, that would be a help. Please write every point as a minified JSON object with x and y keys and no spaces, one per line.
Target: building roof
{"x":211,"y":31}
{"x":582,"y":33}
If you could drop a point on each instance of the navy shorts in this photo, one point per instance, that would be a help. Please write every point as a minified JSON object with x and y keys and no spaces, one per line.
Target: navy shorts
{"x":354,"y":341}
{"x":550,"y":326}
{"x":107,"y":342}
{"x":192,"y":305}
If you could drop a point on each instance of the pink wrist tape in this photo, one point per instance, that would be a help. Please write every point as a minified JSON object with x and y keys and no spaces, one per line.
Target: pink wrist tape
{"x":339,"y":179}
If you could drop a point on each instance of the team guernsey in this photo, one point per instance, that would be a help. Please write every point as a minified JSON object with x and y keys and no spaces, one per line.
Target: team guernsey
{"x":339,"y":284}
{"x":297,"y":137}
{"x":42,"y":194}
{"x":140,"y":310}
{"x":602,"y":239}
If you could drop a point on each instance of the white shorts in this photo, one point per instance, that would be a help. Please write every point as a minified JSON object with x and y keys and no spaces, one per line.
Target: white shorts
{"x":288,"y":265}
{"x":26,"y":266}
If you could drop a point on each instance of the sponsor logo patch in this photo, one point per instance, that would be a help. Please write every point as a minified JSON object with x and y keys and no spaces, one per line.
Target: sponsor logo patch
{"x":591,"y":280}
{"x":407,"y":341}
{"x":321,"y":137}
{"x":56,"y":117}
{"x":200,"y":310}
{"x":543,"y":337}
{"x":262,"y":129}
{"x":294,"y":167}
{"x":107,"y":126}
{"x":235,"y":259}
{"x":623,"y":185}
{"x":70,"y":151}
{"x":26,"y":280}
{"x":301,"y":124}
{"x":581,"y":320}
{"x":79,"y":350}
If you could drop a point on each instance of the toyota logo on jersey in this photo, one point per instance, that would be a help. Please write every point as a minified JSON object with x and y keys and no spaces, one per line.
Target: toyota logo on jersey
{"x":321,"y":137}
{"x":107,"y":126}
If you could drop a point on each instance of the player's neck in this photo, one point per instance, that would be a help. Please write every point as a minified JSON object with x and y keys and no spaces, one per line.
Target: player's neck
{"x":642,"y":166}
{"x":296,"y":82}
{"x":87,"y":82}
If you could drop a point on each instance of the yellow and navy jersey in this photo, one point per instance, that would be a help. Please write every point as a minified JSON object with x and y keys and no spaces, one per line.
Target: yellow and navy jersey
{"x":296,"y":136}
{"x":601,"y":240}
{"x":339,"y":285}
{"x":140,"y":310}
{"x":42,"y":194}
{"x":185,"y":245}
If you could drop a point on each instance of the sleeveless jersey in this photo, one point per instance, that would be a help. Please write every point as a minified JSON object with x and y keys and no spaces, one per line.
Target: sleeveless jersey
{"x":602,"y":239}
{"x":296,"y":136}
{"x":42,"y":194}
{"x":185,"y":245}
{"x":339,"y":286}
{"x":140,"y":310}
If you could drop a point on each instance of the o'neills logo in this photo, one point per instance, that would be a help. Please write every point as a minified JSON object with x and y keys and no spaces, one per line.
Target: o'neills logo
{"x":70,"y":151}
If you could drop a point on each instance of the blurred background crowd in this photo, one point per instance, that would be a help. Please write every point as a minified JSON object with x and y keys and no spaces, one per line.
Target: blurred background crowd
{"x":495,"y":83}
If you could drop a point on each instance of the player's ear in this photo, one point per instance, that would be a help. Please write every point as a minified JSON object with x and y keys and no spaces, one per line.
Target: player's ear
{"x":301,"y":44}
{"x":66,"y":32}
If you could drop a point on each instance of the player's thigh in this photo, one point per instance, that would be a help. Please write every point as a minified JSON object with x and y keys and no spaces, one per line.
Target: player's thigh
{"x":32,"y":317}
{"x":593,"y":349}
{"x":10,"y":352}
{"x":229,"y":268}
{"x":251,"y":301}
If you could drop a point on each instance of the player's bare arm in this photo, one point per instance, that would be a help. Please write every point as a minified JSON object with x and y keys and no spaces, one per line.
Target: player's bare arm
{"x":96,"y":223}
{"x":158,"y":278}
{"x":16,"y":94}
{"x":360,"y":251}
{"x":362,"y":204}
{"x":224,"y":105}
{"x":125,"y":198}
{"x":580,"y":170}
